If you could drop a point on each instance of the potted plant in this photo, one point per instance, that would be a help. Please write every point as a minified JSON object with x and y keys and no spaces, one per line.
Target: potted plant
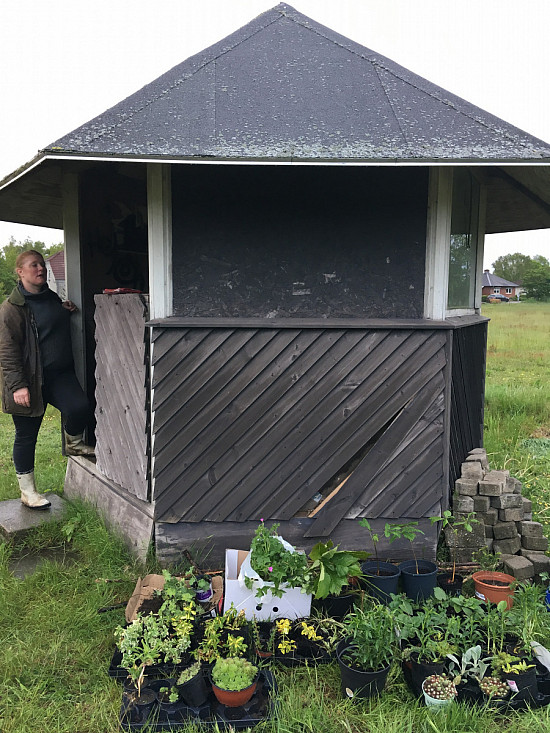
{"x":192,"y":686}
{"x":273,"y":565}
{"x":141,"y":644}
{"x":468,"y":672}
{"x":168,"y":695}
{"x":493,"y":688}
{"x":330,"y":570}
{"x":451,"y":526}
{"x":380,"y":579}
{"x":366,"y":653}
{"x":521,"y":678}
{"x":234,"y":681}
{"x":493,"y":586}
{"x":419,"y":577}
{"x":226,"y":635}
{"x":439,"y":691}
{"x":490,"y":584}
{"x":263,"y":633}
{"x":202,"y":587}
{"x":301,"y":640}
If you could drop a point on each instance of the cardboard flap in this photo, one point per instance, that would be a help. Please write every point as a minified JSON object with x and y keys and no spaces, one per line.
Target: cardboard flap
{"x":144,"y":590}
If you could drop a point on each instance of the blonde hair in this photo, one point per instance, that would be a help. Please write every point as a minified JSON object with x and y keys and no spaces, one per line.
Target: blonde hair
{"x":22,"y":256}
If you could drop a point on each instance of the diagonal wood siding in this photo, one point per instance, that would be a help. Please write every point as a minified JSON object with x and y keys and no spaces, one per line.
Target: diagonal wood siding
{"x":253,"y":422}
{"x":121,"y":394}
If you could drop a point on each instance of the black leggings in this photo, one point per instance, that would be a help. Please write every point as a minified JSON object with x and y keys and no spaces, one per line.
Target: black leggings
{"x":62,"y":390}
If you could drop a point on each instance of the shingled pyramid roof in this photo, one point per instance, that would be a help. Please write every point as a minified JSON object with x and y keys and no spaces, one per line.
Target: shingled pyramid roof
{"x":286,"y":87}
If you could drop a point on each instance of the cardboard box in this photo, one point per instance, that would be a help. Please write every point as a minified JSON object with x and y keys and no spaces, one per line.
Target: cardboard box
{"x":146,"y":587}
{"x":293,"y":604}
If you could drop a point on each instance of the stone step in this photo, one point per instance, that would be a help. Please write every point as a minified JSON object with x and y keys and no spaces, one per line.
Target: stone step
{"x":16,"y":519}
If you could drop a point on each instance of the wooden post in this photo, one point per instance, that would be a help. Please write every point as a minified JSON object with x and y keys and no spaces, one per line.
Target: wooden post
{"x":73,"y":270}
{"x":438,"y":243}
{"x":159,"y":213}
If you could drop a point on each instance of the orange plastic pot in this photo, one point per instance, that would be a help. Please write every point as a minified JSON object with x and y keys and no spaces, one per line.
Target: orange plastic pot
{"x":234,"y":698}
{"x":493,"y":586}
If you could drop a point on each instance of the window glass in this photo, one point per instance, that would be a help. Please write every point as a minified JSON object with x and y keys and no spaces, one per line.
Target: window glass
{"x":463,"y":251}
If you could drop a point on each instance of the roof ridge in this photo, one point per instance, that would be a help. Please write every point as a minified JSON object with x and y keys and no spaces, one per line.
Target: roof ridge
{"x":377,"y":60}
{"x":186,"y":77}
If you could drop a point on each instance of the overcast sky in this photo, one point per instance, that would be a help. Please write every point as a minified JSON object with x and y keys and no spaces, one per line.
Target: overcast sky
{"x":65,"y":61}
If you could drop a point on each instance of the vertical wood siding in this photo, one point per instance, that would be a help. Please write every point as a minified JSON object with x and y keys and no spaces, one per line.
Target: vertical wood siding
{"x":467,"y":394}
{"x":121,"y":394}
{"x":253,"y":422}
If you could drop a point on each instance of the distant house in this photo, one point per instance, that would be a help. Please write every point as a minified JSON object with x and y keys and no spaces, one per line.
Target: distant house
{"x":495,"y":285}
{"x":55,"y":265}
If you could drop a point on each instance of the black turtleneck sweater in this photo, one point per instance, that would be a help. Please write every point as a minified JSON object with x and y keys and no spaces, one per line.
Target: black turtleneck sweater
{"x":54,"y":330}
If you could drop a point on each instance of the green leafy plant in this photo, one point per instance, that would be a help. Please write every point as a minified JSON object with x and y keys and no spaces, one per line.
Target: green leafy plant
{"x":71,"y":526}
{"x":494,"y":625}
{"x":219,"y":638}
{"x":331,"y":568}
{"x":454,"y":525}
{"x":263,"y":633}
{"x":404,"y":530}
{"x":141,"y":644}
{"x":202,"y":584}
{"x":486,"y":559}
{"x":234,"y":673}
{"x":372,"y":637}
{"x":374,"y":538}
{"x":285,"y":644}
{"x":189,"y":672}
{"x":517,"y":667}
{"x":471,"y":665}
{"x":169,"y":693}
{"x":275,"y":565}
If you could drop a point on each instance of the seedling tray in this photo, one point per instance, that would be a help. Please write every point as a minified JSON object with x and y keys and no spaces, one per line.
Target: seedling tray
{"x":262,"y":706}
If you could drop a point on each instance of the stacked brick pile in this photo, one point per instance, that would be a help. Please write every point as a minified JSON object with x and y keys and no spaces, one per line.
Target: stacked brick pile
{"x":504,"y":517}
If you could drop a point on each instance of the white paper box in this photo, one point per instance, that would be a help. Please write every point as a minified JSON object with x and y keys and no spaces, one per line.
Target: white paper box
{"x":293,"y":604}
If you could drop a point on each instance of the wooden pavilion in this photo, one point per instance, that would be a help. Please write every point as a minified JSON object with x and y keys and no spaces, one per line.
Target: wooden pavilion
{"x":305,"y":221}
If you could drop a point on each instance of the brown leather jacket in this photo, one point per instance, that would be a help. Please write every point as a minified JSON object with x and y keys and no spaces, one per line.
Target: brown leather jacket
{"x":19,"y":356}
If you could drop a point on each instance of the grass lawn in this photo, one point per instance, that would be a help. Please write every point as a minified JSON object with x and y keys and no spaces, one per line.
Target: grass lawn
{"x":55,"y":647}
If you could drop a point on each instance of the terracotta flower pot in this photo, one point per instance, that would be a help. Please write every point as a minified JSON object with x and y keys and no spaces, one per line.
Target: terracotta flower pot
{"x":493,"y":586}
{"x":234,"y":698}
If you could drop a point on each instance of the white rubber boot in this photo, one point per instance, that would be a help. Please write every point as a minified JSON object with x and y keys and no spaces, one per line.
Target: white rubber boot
{"x":29,"y":495}
{"x":75,"y":445}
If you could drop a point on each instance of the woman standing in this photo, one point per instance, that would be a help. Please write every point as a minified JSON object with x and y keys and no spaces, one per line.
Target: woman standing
{"x":36,"y":368}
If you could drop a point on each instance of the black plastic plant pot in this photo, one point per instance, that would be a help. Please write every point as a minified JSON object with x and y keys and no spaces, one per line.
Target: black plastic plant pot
{"x":140,"y":706}
{"x":469,"y":693}
{"x":356,"y":683}
{"x":451,"y":586}
{"x":380,"y":579}
{"x":420,"y":670}
{"x":336,"y":606}
{"x":194,"y":692}
{"x":523,"y":686}
{"x":419,"y":578}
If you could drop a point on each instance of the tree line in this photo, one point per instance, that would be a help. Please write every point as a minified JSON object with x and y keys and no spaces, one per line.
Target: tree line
{"x":532,"y":273}
{"x":8,"y":255}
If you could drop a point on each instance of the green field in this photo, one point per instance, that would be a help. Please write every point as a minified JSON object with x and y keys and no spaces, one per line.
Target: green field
{"x":55,"y":647}
{"x":517,"y":397}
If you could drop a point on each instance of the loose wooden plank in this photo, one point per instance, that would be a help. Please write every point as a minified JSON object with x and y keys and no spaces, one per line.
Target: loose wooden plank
{"x":335,"y":511}
{"x":378,"y":407}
